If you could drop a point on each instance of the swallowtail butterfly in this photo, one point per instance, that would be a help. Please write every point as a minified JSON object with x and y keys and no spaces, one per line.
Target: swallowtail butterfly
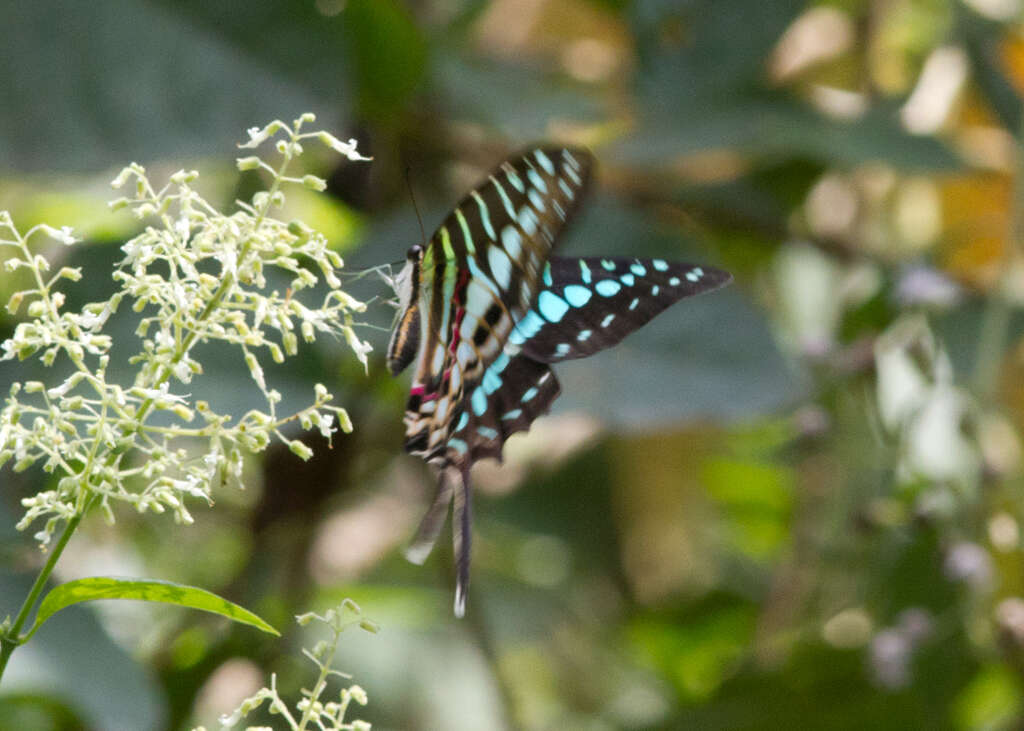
{"x":485,"y":310}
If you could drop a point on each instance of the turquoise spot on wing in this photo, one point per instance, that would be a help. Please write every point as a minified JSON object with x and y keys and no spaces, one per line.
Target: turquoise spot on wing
{"x":530,"y":393}
{"x":607,"y":320}
{"x":527,"y":327}
{"x":487,"y":432}
{"x":501,"y":266}
{"x":545,"y":162}
{"x":660,"y":264}
{"x":585,"y":272}
{"x":638,"y":269}
{"x":466,"y":235}
{"x":573,"y":175}
{"x":479,"y":276}
{"x":505,"y":201}
{"x":536,"y":199}
{"x":528,"y":220}
{"x":479,"y":401}
{"x":558,"y":209}
{"x":674,"y":281}
{"x":577,"y":295}
{"x":551,"y":306}
{"x":694,"y":274}
{"x":537,"y":181}
{"x":485,"y":215}
{"x":608,"y":287}
{"x":654,"y":290}
{"x":608,"y":264}
{"x":628,"y":279}
{"x":547,"y":274}
{"x":515,"y":180}
{"x":463,"y":420}
{"x":458,"y":445}
{"x":562,"y":349}
{"x":584,"y":335}
{"x":512,"y":242}
{"x":491,"y":381}
{"x":513,"y":414}
{"x":634,"y":303}
{"x":500,"y":363}
{"x":565,"y":188}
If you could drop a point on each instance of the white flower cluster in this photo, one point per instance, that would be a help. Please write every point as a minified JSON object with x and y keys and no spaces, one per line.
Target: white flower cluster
{"x":197,"y":276}
{"x":313,"y":712}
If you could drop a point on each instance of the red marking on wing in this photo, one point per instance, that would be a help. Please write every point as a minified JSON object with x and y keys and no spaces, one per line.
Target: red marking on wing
{"x":460,"y":313}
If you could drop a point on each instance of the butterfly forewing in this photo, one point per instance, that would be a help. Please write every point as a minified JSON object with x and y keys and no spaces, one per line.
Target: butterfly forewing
{"x":592,"y":303}
{"x":479,"y":275}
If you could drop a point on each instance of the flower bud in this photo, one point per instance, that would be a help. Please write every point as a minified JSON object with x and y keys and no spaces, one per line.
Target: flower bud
{"x":14,"y":303}
{"x":312,"y":182}
{"x":303,"y":451}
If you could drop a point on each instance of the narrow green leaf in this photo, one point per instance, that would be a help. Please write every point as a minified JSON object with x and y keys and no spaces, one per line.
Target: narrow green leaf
{"x":150,"y":590}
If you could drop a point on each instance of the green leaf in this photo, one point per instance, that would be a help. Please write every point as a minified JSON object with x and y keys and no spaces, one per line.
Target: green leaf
{"x":150,"y":590}
{"x":74,"y":667}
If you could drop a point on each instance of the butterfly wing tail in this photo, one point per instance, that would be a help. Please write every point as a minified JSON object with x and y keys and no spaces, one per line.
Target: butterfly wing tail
{"x":430,"y":527}
{"x":462,"y":539}
{"x":452,"y":489}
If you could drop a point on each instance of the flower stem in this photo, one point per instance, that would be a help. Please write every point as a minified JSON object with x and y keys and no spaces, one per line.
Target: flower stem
{"x":11,"y":639}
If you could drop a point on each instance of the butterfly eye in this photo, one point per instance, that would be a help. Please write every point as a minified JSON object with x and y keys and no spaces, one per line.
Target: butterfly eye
{"x":414,"y":252}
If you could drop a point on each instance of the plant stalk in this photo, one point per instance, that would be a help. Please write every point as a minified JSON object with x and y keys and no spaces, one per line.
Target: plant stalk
{"x":11,"y":639}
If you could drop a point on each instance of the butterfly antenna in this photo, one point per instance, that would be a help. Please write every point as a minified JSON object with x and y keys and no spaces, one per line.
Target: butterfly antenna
{"x":408,"y":184}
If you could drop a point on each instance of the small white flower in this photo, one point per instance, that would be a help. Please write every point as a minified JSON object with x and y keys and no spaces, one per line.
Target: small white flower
{"x":358,"y":695}
{"x":64,"y":234}
{"x":348,"y":149}
{"x":182,"y":228}
{"x":182,"y":372}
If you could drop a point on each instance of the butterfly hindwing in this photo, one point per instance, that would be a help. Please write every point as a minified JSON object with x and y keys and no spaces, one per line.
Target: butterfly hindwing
{"x":592,"y":303}
{"x":514,"y":391}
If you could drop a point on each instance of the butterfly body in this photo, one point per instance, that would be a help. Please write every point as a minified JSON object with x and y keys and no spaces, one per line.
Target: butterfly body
{"x":485,"y":309}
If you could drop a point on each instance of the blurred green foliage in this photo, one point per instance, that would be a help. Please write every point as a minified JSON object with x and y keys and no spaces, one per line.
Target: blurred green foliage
{"x":730,"y":521}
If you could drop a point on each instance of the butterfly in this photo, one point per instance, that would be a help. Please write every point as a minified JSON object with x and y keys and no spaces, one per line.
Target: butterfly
{"x":485,"y":310}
